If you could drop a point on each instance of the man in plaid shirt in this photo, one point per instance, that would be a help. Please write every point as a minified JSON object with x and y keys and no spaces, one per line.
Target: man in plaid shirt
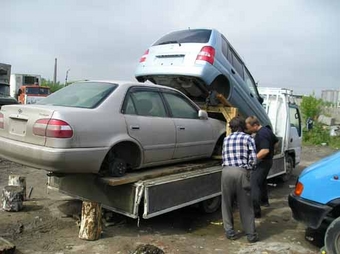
{"x":239,"y":158}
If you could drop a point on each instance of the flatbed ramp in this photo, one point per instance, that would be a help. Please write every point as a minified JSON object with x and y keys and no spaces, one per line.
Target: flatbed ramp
{"x":158,"y":191}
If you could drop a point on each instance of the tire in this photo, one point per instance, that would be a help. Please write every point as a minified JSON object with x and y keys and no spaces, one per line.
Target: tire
{"x":332,"y":237}
{"x":210,"y":205}
{"x":117,"y":167}
{"x":289,"y":169}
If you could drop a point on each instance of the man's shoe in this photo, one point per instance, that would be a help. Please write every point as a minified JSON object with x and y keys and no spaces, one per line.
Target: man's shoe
{"x":257,"y":215}
{"x":231,"y":235}
{"x":252,"y":238}
{"x":265,"y":204}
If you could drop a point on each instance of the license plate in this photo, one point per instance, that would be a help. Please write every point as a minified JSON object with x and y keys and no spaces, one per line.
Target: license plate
{"x":171,"y":61}
{"x":18,"y":127}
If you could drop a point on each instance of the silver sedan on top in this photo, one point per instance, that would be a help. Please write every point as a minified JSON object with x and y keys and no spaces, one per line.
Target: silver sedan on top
{"x":107,"y":127}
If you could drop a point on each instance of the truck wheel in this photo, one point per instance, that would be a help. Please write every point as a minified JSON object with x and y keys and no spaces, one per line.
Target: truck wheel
{"x":289,"y":169}
{"x":332,"y":237}
{"x":210,"y":205}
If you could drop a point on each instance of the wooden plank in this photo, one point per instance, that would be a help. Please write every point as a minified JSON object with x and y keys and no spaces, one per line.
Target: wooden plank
{"x":144,"y":174}
{"x":6,"y":247}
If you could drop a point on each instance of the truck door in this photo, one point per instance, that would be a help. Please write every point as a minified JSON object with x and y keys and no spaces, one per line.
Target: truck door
{"x":295,"y":131}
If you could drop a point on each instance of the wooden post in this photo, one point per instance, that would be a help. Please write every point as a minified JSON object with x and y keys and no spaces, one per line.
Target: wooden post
{"x":16,"y":180}
{"x":12,"y":198}
{"x":6,"y":247}
{"x":91,"y":219}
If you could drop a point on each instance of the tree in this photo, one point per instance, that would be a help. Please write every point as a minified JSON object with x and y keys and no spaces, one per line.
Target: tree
{"x":51,"y":85}
{"x":310,"y":106}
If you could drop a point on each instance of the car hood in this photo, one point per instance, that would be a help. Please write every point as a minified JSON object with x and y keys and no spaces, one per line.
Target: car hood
{"x":326,"y":166}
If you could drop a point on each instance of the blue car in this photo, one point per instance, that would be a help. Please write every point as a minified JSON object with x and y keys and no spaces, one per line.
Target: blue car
{"x":199,"y":61}
{"x":316,"y":199}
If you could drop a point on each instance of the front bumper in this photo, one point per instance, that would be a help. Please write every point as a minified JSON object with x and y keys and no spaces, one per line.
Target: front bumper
{"x":308,"y":212}
{"x":72,"y":160}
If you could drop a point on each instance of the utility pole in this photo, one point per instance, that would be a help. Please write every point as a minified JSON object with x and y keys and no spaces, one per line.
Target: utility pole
{"x":55,"y":72}
{"x":66,"y":76}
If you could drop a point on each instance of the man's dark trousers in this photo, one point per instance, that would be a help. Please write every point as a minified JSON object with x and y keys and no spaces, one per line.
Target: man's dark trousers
{"x":259,"y":191}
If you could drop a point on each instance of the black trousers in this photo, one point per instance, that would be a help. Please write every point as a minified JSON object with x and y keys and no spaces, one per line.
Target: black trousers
{"x":259,"y":191}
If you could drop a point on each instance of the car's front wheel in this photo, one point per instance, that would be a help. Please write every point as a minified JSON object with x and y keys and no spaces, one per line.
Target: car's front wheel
{"x":332,"y":237}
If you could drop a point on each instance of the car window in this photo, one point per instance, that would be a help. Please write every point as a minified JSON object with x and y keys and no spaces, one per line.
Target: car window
{"x":129,"y":107}
{"x":225,"y":48}
{"x":294,"y":118}
{"x":185,"y":36}
{"x":80,"y":95}
{"x":148,"y":103}
{"x":180,"y":107}
{"x":250,"y":82}
{"x":237,"y":63}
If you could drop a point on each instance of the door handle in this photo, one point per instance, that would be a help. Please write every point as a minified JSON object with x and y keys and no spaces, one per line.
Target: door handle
{"x":181,"y":128}
{"x":134,"y":127}
{"x":291,"y":140}
{"x":233,"y":72}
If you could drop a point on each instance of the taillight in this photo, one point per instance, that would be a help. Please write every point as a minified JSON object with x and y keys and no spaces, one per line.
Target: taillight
{"x":1,"y":121}
{"x":298,"y":189}
{"x":143,"y":58}
{"x":52,"y":128}
{"x":207,"y":54}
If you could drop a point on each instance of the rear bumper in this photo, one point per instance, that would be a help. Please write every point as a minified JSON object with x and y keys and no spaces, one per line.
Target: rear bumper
{"x":73,"y":160}
{"x":205,"y":72}
{"x":308,"y":212}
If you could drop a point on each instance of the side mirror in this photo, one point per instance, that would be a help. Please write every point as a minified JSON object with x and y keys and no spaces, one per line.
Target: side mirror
{"x":203,"y":115}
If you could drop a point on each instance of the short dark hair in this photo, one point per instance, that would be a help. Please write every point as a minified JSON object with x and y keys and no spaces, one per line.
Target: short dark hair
{"x":237,"y":124}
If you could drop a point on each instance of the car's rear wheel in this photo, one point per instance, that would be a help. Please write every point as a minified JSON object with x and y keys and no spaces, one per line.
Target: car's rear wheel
{"x":117,"y":167}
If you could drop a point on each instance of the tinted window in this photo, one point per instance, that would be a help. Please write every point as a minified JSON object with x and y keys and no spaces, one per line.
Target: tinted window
{"x":250,"y":82}
{"x":129,"y":107}
{"x":237,"y":63}
{"x":29,"y":80}
{"x":80,"y":95}
{"x":225,"y":48}
{"x":185,"y":36}
{"x":37,"y":90}
{"x":180,"y":107}
{"x":148,"y":103}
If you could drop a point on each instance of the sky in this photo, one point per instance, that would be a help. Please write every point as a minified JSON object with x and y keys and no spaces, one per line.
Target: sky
{"x":285,"y":43}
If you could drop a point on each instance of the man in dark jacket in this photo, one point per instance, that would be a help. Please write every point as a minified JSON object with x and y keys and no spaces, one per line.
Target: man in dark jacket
{"x":265,"y":141}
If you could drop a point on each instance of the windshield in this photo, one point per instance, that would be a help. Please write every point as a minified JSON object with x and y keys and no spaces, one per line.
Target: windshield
{"x":37,"y":90}
{"x":80,"y":95}
{"x":4,"y":90}
{"x":185,"y":36}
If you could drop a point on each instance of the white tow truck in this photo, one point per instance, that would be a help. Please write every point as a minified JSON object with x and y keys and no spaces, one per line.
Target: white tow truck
{"x":159,"y":190}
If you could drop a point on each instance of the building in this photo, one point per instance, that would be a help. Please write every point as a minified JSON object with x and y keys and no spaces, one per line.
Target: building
{"x":332,"y":96}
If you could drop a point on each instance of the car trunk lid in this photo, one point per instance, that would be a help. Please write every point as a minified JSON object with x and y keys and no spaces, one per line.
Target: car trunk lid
{"x":18,"y":122}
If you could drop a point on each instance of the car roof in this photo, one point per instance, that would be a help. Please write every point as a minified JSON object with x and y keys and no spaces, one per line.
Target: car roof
{"x":129,"y":83}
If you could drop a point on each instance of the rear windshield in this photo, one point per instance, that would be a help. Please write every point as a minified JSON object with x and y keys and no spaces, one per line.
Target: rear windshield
{"x":185,"y":36}
{"x":80,"y":95}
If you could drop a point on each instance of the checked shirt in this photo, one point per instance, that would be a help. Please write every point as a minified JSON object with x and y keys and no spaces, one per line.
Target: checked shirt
{"x":239,"y":151}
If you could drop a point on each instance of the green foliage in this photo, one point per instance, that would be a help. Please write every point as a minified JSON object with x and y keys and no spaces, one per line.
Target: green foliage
{"x":51,"y":85}
{"x":319,"y":135}
{"x":310,"y":106}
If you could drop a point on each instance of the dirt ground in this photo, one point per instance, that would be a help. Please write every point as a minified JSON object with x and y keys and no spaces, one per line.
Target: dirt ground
{"x":43,"y":227}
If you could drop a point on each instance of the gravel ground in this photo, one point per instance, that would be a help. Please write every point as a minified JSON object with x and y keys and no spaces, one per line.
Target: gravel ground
{"x":44,"y":227}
